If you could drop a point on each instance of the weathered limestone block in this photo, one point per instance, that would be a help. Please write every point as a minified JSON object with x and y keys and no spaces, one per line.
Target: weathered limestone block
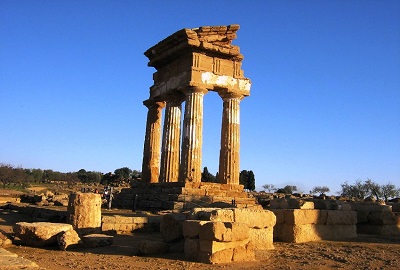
{"x":262,"y":238}
{"x":255,"y":218}
{"x":290,"y":203}
{"x":224,"y":231}
{"x":369,"y":206}
{"x":395,"y":206}
{"x":306,"y":216}
{"x":171,"y":229}
{"x":191,"y":228}
{"x":378,"y":229}
{"x":224,"y":215}
{"x":214,"y":246}
{"x":4,"y":240}
{"x":382,"y":218}
{"x":97,"y":240}
{"x":147,"y":247}
{"x":341,"y":218}
{"x":238,"y":253}
{"x":313,"y":232}
{"x":39,"y":234}
{"x":68,"y":239}
{"x":84,"y":212}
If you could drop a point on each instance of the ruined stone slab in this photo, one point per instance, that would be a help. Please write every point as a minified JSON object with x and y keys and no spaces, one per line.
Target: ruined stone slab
{"x":97,"y":240}
{"x":147,"y":247}
{"x":223,"y":231}
{"x":4,"y":240}
{"x":11,"y":262}
{"x":68,"y":239}
{"x":244,"y":253}
{"x":40,"y":234}
{"x":369,"y":206}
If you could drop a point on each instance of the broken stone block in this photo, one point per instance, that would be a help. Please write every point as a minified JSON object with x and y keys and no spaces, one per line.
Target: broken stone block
{"x":224,"y":231}
{"x":147,"y":247}
{"x":68,"y":239}
{"x":4,"y":240}
{"x":40,"y":234}
{"x":191,"y":228}
{"x":97,"y":240}
{"x":171,"y":229}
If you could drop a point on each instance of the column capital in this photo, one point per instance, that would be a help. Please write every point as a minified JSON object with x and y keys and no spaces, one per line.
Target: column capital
{"x":193,"y":89}
{"x":175,"y":99}
{"x":152,"y":104}
{"x":226,"y":94}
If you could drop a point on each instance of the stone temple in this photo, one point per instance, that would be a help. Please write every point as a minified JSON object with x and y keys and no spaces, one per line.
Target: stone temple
{"x":189,"y":64}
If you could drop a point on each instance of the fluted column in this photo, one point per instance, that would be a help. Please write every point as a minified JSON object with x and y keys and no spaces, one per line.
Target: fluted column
{"x":190,"y":167}
{"x":229,"y":158}
{"x":151,"y":151}
{"x":171,"y":143}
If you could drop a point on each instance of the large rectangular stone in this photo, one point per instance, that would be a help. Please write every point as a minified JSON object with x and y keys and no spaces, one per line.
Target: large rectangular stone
{"x":262,"y":238}
{"x":305,"y":216}
{"x":340,"y":217}
{"x":255,"y":218}
{"x":313,"y":232}
{"x":214,"y":246}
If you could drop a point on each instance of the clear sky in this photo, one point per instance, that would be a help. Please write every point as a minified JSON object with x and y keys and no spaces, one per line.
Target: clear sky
{"x":325,"y":97}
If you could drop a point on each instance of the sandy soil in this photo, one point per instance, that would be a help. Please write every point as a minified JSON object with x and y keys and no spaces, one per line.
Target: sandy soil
{"x":365,"y":252}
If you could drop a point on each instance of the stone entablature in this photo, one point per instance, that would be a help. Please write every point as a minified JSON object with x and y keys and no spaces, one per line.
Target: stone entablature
{"x":189,"y":64}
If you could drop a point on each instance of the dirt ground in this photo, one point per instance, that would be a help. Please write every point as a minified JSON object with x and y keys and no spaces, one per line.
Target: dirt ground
{"x":365,"y":252}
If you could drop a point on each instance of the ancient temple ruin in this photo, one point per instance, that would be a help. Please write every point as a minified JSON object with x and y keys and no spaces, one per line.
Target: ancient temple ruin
{"x":189,"y":64}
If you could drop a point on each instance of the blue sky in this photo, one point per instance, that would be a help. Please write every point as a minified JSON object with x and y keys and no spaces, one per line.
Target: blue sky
{"x":325,"y":97}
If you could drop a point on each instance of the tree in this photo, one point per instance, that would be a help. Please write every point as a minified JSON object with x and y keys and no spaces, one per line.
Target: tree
{"x":269,"y":187}
{"x":82,"y":175}
{"x":251,"y":181}
{"x":287,"y":189}
{"x":320,"y":190}
{"x":358,"y":190}
{"x":206,"y":176}
{"x":123,"y":173}
{"x":247,"y":179}
{"x":373,"y":188}
{"x":389,"y":191}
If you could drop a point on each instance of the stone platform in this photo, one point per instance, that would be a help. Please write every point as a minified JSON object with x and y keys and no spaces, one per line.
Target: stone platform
{"x":179,"y":196}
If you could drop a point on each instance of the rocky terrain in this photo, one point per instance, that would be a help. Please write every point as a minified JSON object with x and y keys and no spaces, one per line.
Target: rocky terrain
{"x":363,"y":252}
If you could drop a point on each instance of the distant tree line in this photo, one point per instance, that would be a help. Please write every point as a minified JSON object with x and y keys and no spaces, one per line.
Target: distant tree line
{"x":246,"y":178}
{"x":359,"y":190}
{"x":11,"y":176}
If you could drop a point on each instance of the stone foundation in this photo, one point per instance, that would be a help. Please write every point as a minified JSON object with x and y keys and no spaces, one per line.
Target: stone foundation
{"x":179,"y":196}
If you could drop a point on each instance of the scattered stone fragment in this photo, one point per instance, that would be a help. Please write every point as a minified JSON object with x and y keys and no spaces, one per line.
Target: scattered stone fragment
{"x":97,"y":240}
{"x":68,"y":239}
{"x":152,"y":247}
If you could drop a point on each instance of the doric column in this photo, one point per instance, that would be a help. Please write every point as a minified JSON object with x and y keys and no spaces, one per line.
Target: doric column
{"x":190,"y":167}
{"x":229,"y":158}
{"x":151,"y":151}
{"x":171,"y":143}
